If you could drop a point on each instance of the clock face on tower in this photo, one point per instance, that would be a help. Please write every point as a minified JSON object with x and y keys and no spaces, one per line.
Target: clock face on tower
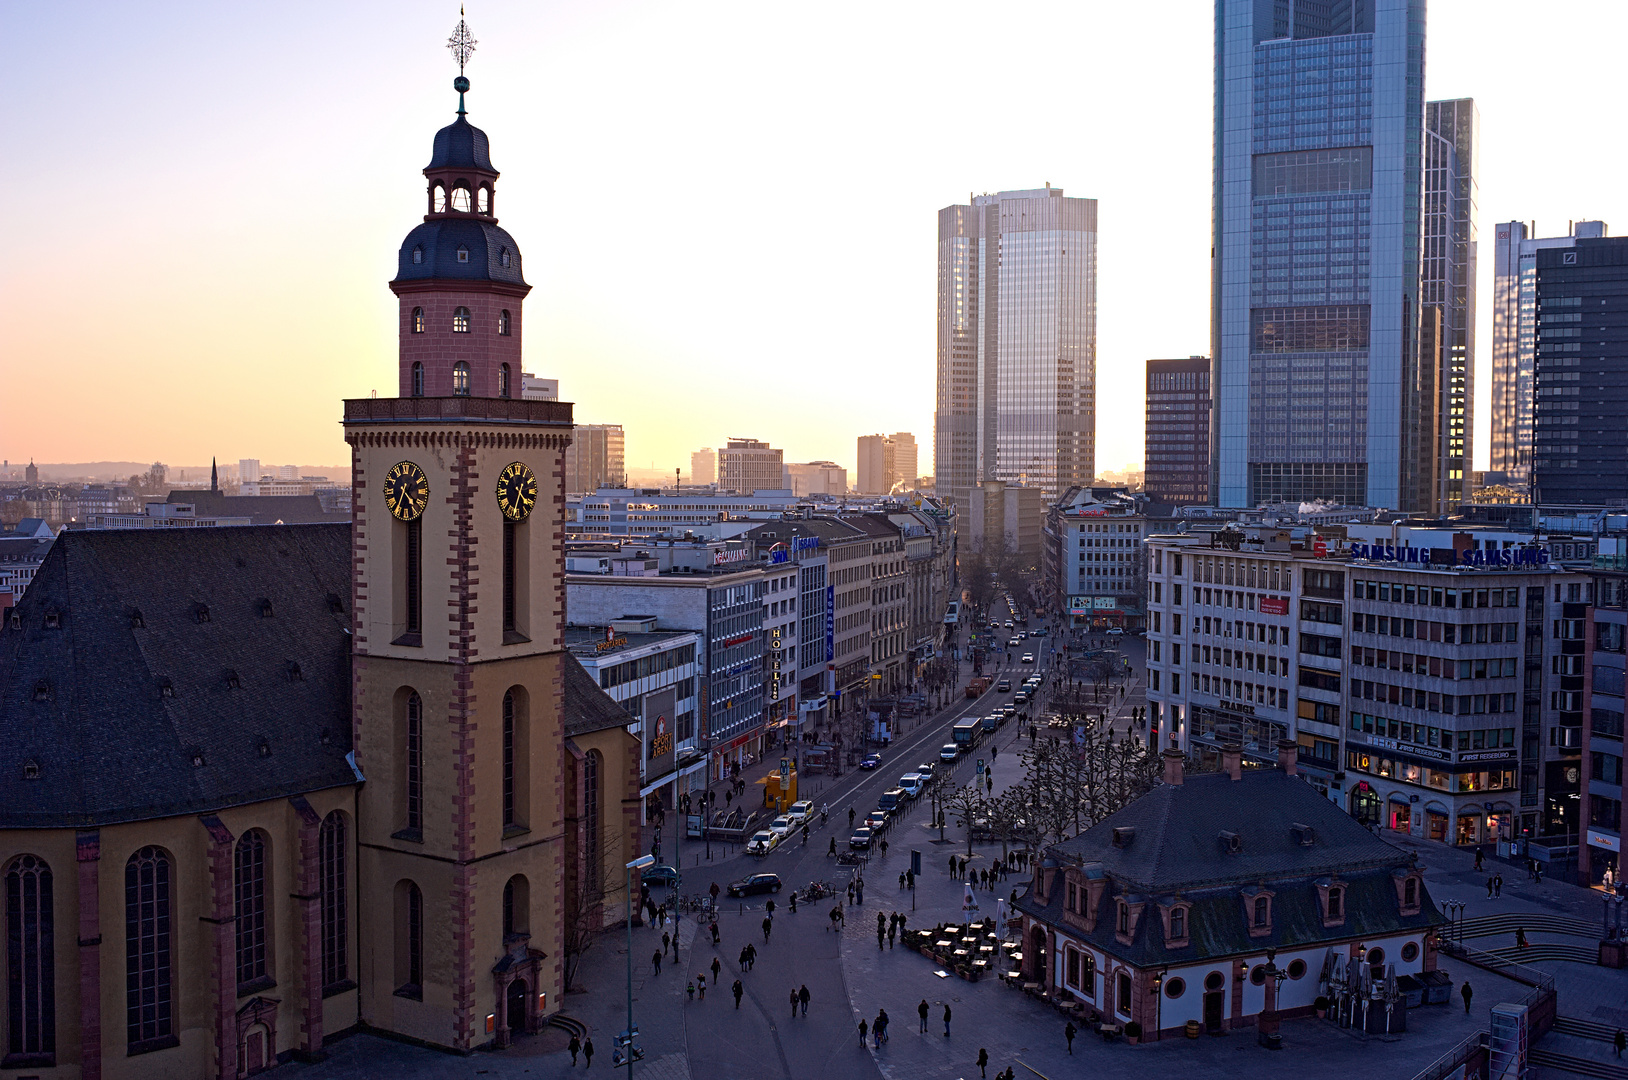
{"x":516,"y":491}
{"x":406,"y":490}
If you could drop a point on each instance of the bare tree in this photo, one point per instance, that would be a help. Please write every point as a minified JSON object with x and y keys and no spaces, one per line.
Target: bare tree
{"x":1071,"y":784}
{"x":585,"y":917}
{"x":966,"y":804}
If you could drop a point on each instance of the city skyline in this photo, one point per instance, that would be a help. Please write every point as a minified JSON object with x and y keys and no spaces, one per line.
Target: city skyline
{"x":323,"y":318}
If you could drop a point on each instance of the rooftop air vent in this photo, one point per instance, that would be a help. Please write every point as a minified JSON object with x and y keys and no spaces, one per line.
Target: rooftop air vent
{"x":1304,"y":835}
{"x":293,"y":670}
{"x":31,"y":769}
{"x":200,"y":612}
{"x":166,"y":688}
{"x":1231,"y":842}
{"x":335,"y":604}
{"x":265,"y":609}
{"x":1123,"y":835}
{"x":53,"y":621}
{"x":265,"y":748}
{"x":197,"y":759}
{"x":42,"y":691}
{"x":232,"y":681}
{"x":136,"y":620}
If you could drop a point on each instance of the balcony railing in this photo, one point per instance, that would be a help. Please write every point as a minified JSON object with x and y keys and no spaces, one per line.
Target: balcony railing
{"x":456,"y":410}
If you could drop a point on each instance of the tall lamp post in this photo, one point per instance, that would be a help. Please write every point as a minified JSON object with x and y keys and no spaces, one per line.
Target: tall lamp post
{"x":627,"y":1036}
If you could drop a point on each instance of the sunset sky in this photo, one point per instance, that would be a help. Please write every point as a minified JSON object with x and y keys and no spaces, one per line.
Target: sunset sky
{"x":727,"y":211}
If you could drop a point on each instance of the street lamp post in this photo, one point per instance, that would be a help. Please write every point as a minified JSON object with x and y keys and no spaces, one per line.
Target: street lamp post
{"x":627,"y":1036}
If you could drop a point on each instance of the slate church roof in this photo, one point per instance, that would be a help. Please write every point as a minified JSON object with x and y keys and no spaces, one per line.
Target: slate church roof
{"x":157,"y":672}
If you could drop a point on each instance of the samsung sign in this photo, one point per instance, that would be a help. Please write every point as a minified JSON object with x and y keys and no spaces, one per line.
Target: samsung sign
{"x":1426,"y":556}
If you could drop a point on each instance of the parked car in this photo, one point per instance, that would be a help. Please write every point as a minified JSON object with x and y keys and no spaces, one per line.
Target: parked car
{"x":781,"y":826}
{"x":1020,"y":698}
{"x":755,"y":883}
{"x":877,"y":820}
{"x":870,"y":761}
{"x":1114,"y":631}
{"x":861,"y":839}
{"x":659,"y":875}
{"x":763,"y":841}
{"x":949,"y":752}
{"x":800,"y":811}
{"x":926,"y":769}
{"x":911,"y":784}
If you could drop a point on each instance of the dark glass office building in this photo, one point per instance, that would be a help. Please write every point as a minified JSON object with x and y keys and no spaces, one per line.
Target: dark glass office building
{"x":1319,"y":121}
{"x":1580,"y":415}
{"x":1176,"y":460}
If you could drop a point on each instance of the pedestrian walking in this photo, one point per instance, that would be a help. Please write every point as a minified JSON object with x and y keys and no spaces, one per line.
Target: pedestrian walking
{"x":655,"y":962}
{"x":794,"y":1003}
{"x":833,"y":850}
{"x":881,"y":936}
{"x":715,"y":966}
{"x":794,"y":901}
{"x":1620,"y":1042}
{"x":901,"y":881}
{"x":946,"y":1020}
{"x":864,"y":1032}
{"x":743,"y":961}
{"x":714,"y":929}
{"x":884,"y":849}
{"x":588,"y":1052}
{"x":575,"y":1047}
{"x":768,"y":924}
{"x":850,"y":817}
{"x":952,"y":867}
{"x":769,"y":907}
{"x":1069,"y":1032}
{"x":714,"y":891}
{"x":921,"y":1011}
{"x":859,"y":889}
{"x":666,"y":943}
{"x":892,"y":932}
{"x":1520,"y":937}
{"x":1465,"y":993}
{"x":1498,"y":885}
{"x":883,"y":1021}
{"x":1478,"y":860}
{"x":983,"y":1062}
{"x":1489,"y":888}
{"x":876,"y":1031}
{"x":910,"y":880}
{"x":701,"y":986}
{"x":1537,"y":873}
{"x":802,"y":998}
{"x":737,"y":989}
{"x":850,"y":892}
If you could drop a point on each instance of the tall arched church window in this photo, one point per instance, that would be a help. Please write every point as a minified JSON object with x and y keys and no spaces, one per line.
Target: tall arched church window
{"x":503,"y":380}
{"x":30,"y":965}
{"x":418,"y":379}
{"x":149,"y":1023}
{"x":414,"y":758}
{"x":249,"y":896}
{"x":593,"y":876}
{"x":503,"y":322}
{"x":331,"y":858}
{"x":460,"y":379}
{"x":418,"y":320}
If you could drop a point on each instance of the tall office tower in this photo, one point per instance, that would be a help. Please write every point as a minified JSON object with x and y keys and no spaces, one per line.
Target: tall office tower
{"x":597,"y":457}
{"x":1580,"y":388}
{"x":877,"y":465}
{"x":704,"y":466}
{"x":1319,"y":117}
{"x":1447,"y":305}
{"x":1176,"y":458}
{"x":1017,"y":342}
{"x":1515,"y":340}
{"x":905,"y":460}
{"x":748,"y":465}
{"x":248,"y":469}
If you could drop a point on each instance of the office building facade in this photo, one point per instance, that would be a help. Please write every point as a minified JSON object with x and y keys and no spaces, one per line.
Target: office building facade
{"x":596,"y":458}
{"x":704,"y":466}
{"x":1515,"y":340}
{"x":1176,"y":455}
{"x":1017,"y":342}
{"x":1319,"y":117}
{"x":1447,"y":279}
{"x":816,"y":478}
{"x":1580,"y":393}
{"x":748,"y":465}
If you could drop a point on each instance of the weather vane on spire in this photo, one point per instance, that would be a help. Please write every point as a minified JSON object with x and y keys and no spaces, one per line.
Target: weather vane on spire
{"x":462,"y":44}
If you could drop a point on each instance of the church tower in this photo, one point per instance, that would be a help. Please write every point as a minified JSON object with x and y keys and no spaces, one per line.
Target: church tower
{"x":457,"y":656}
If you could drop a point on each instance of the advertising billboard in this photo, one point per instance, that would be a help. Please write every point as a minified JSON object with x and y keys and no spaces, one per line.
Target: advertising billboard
{"x":1105,"y":603}
{"x":1274,"y":605}
{"x":1079,"y":605}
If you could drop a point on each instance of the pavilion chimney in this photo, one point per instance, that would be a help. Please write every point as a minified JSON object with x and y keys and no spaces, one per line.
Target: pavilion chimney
{"x":1288,"y":756}
{"x":1172,"y":766}
{"x":1232,"y":760}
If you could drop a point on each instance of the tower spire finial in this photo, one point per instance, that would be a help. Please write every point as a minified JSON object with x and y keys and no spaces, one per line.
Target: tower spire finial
{"x":462,"y":45}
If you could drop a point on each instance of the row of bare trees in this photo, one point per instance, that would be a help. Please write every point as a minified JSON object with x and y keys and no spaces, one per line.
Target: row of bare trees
{"x":1069,"y":784}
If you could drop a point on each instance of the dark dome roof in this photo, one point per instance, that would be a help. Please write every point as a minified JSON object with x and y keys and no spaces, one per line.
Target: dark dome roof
{"x":438,"y":242}
{"x":461,"y":145}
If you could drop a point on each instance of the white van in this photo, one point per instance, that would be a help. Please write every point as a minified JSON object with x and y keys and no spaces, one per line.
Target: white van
{"x":911,"y":784}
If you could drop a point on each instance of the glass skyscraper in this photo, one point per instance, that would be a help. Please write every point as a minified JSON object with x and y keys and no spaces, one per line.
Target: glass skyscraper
{"x":1515,"y":340}
{"x":1447,"y":299}
{"x":1319,"y":119}
{"x":1017,"y":342}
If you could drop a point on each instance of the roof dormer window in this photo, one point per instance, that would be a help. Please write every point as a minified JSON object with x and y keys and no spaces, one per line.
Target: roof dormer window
{"x":463,"y":254}
{"x":1263,"y":912}
{"x":503,"y":256}
{"x":418,"y":253}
